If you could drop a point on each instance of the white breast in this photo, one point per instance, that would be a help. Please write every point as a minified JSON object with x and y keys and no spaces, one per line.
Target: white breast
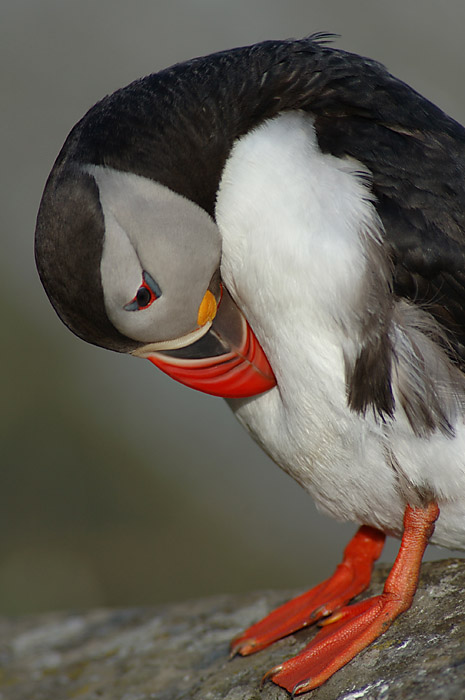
{"x":293,"y":222}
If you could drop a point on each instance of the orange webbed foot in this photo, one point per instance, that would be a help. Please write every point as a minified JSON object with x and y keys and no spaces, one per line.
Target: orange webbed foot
{"x":351,"y":577}
{"x":350,"y":628}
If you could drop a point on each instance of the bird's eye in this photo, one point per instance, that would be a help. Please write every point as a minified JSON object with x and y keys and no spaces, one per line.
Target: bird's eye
{"x":146,"y":294}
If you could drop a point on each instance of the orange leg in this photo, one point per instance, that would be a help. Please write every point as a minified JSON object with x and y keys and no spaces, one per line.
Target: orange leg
{"x":354,"y":627}
{"x":350,"y":578}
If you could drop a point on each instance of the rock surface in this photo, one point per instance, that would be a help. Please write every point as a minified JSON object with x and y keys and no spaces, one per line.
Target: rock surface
{"x":180,"y":652}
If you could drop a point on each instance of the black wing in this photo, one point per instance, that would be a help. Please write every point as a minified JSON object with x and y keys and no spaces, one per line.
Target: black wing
{"x":416,"y":154}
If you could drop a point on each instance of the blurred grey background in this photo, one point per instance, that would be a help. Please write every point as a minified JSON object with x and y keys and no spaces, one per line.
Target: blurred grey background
{"x":117,"y":486}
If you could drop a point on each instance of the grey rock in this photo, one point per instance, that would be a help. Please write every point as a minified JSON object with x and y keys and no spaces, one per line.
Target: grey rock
{"x":180,"y":652}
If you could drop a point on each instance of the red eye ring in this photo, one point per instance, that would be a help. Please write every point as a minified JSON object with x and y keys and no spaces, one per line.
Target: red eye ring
{"x":147,"y":293}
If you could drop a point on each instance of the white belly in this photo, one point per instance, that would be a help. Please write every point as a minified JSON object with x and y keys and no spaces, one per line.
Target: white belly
{"x":294,"y":261}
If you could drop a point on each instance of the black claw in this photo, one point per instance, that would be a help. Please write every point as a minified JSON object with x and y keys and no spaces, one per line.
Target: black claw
{"x":269,"y":675}
{"x":300,"y":687}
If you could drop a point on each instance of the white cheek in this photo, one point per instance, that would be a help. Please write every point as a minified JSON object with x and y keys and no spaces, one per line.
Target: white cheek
{"x":121,"y":272}
{"x":153,"y":229}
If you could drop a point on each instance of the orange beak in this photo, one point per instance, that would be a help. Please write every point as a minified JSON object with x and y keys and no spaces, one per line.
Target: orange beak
{"x":227,"y":361}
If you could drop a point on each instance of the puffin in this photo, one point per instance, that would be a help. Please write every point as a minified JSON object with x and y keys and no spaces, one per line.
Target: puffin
{"x":283,"y":225}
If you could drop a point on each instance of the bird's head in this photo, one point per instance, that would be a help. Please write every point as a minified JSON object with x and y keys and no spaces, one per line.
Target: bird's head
{"x":131,"y":265}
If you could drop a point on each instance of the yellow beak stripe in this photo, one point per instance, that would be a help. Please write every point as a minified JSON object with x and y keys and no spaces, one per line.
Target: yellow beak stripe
{"x":207,"y":309}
